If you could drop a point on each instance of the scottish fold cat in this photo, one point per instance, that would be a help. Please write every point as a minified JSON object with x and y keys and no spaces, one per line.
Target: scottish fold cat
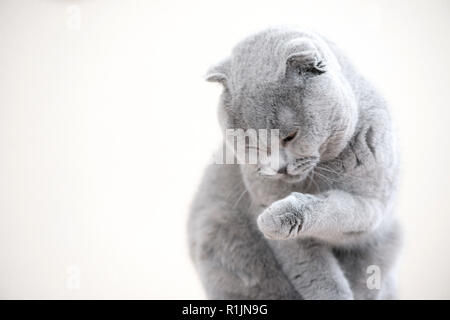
{"x":320,"y":225}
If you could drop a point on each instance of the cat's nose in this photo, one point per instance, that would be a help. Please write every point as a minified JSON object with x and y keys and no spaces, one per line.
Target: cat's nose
{"x":282,"y":170}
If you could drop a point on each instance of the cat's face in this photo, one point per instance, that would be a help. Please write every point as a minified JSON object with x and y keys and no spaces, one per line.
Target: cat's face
{"x":294,"y":90}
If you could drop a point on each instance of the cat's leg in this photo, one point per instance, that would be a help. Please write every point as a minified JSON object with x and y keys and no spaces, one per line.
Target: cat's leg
{"x":231,"y":255}
{"x":334,"y":216}
{"x":369,"y":267}
{"x":235,"y":262}
{"x":342,"y":220}
{"x":312,"y":269}
{"x":368,"y":277}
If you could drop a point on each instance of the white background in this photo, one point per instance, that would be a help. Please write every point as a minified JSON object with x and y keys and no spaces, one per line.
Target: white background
{"x":106,"y":124}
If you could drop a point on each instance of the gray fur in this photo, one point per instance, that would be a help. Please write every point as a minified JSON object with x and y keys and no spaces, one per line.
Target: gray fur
{"x":312,"y":231}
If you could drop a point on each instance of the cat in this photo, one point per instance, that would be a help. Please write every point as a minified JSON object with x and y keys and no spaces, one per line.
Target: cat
{"x":322,"y":224}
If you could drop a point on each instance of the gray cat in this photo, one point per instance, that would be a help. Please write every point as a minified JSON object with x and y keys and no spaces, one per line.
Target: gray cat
{"x":322,"y":225}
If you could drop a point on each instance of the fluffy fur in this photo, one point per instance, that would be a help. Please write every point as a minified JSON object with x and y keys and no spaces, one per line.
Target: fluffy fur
{"x":312,"y":229}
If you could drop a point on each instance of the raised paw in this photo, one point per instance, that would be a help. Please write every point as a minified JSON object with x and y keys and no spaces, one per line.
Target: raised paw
{"x":285,"y":218}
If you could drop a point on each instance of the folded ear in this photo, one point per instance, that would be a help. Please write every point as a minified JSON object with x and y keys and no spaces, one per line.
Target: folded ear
{"x":304,"y":57}
{"x":307,"y":61}
{"x":218,"y":73}
{"x":214,"y":76}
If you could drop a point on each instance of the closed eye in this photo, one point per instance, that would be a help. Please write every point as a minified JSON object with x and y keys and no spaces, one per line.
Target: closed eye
{"x":290,"y":137}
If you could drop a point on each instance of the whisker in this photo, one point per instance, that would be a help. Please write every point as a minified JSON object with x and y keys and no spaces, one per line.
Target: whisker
{"x":235,"y":191}
{"x":315,"y":183}
{"x":328,"y":169}
{"x":310,"y":177}
{"x":239,"y":199}
{"x":326,"y":176}
{"x":325,"y":179}
{"x":340,"y":173}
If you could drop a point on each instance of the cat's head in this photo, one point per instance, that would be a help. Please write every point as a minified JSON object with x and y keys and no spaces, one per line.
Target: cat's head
{"x":290,"y":81}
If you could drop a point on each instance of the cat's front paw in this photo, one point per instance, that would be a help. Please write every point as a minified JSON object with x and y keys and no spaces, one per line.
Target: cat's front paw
{"x":285,"y":218}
